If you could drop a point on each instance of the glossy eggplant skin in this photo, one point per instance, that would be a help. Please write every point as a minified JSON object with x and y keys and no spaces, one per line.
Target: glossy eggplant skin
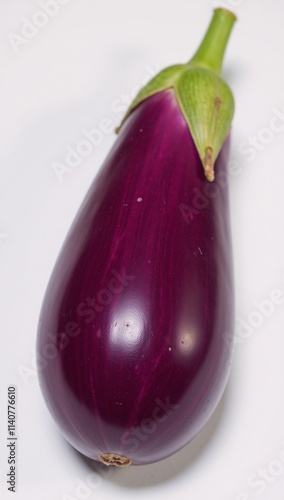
{"x":133,"y":342}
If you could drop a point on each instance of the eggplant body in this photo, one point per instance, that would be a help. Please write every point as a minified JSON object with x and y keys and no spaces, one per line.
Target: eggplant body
{"x":133,"y":342}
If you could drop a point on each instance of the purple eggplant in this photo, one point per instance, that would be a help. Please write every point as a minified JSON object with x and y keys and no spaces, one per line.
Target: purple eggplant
{"x":133,"y":345}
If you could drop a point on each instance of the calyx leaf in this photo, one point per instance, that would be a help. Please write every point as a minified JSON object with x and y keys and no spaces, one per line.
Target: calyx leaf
{"x":164,"y":80}
{"x":207,"y":104}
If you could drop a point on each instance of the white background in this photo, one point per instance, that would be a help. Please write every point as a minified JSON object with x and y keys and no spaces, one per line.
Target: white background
{"x":69,"y":75}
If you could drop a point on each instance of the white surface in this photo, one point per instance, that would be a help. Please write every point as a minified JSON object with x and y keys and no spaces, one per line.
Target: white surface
{"x":73,"y":72}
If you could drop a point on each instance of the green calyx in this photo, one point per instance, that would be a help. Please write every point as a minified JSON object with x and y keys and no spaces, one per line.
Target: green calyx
{"x":205,"y":99}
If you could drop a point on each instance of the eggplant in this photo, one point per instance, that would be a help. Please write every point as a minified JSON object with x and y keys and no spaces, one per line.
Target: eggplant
{"x":134,"y":339}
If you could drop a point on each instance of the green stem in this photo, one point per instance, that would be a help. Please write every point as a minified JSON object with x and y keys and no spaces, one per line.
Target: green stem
{"x":212,"y":48}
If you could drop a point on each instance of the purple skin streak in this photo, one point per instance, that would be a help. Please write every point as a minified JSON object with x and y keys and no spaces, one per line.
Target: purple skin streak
{"x":133,"y":347}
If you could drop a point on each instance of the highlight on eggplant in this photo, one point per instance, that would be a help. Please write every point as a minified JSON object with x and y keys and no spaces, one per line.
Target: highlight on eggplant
{"x":134,"y":341}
